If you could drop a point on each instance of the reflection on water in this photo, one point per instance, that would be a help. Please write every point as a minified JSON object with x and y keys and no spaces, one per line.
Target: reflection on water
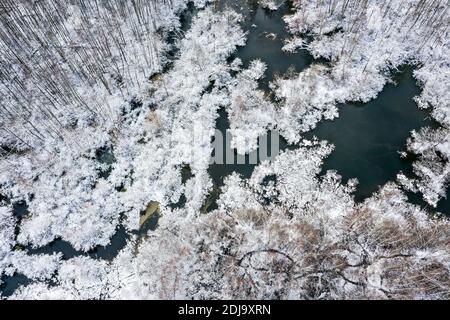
{"x":266,"y":32}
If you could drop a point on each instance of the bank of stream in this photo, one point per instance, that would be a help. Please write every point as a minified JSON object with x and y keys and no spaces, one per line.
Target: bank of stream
{"x":368,"y":137}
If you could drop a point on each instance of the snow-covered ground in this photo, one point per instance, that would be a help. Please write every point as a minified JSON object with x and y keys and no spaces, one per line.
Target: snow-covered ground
{"x":365,"y":41}
{"x":310,"y":241}
{"x":287,"y":232}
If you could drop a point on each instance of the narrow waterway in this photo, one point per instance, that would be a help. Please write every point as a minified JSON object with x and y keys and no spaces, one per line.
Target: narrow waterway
{"x":367,"y":137}
{"x":118,"y":241}
{"x":265,"y":39}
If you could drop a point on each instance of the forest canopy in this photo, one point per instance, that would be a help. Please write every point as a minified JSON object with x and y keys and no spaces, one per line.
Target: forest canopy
{"x":108,"y":114}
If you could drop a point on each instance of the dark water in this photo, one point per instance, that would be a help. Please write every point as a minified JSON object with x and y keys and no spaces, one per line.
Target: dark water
{"x":150,"y":224}
{"x":369,"y":136}
{"x":241,"y":164}
{"x":106,"y":157}
{"x":10,"y":284}
{"x":444,"y":204}
{"x":109,"y":252}
{"x":258,"y":23}
{"x":261,"y":25}
{"x":20,"y":209}
{"x":119,"y":240}
{"x":186,"y":19}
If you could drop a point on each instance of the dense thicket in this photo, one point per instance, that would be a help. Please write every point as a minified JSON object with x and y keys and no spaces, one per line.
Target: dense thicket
{"x":61,"y":61}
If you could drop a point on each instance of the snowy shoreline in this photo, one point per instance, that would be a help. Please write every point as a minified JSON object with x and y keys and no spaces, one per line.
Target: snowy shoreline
{"x":285,"y":233}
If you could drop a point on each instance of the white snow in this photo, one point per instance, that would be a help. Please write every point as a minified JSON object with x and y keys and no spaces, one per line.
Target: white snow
{"x":288,"y":232}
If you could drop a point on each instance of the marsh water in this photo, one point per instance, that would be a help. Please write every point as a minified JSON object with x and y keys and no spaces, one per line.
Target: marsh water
{"x":266,"y":35}
{"x":367,"y":136}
